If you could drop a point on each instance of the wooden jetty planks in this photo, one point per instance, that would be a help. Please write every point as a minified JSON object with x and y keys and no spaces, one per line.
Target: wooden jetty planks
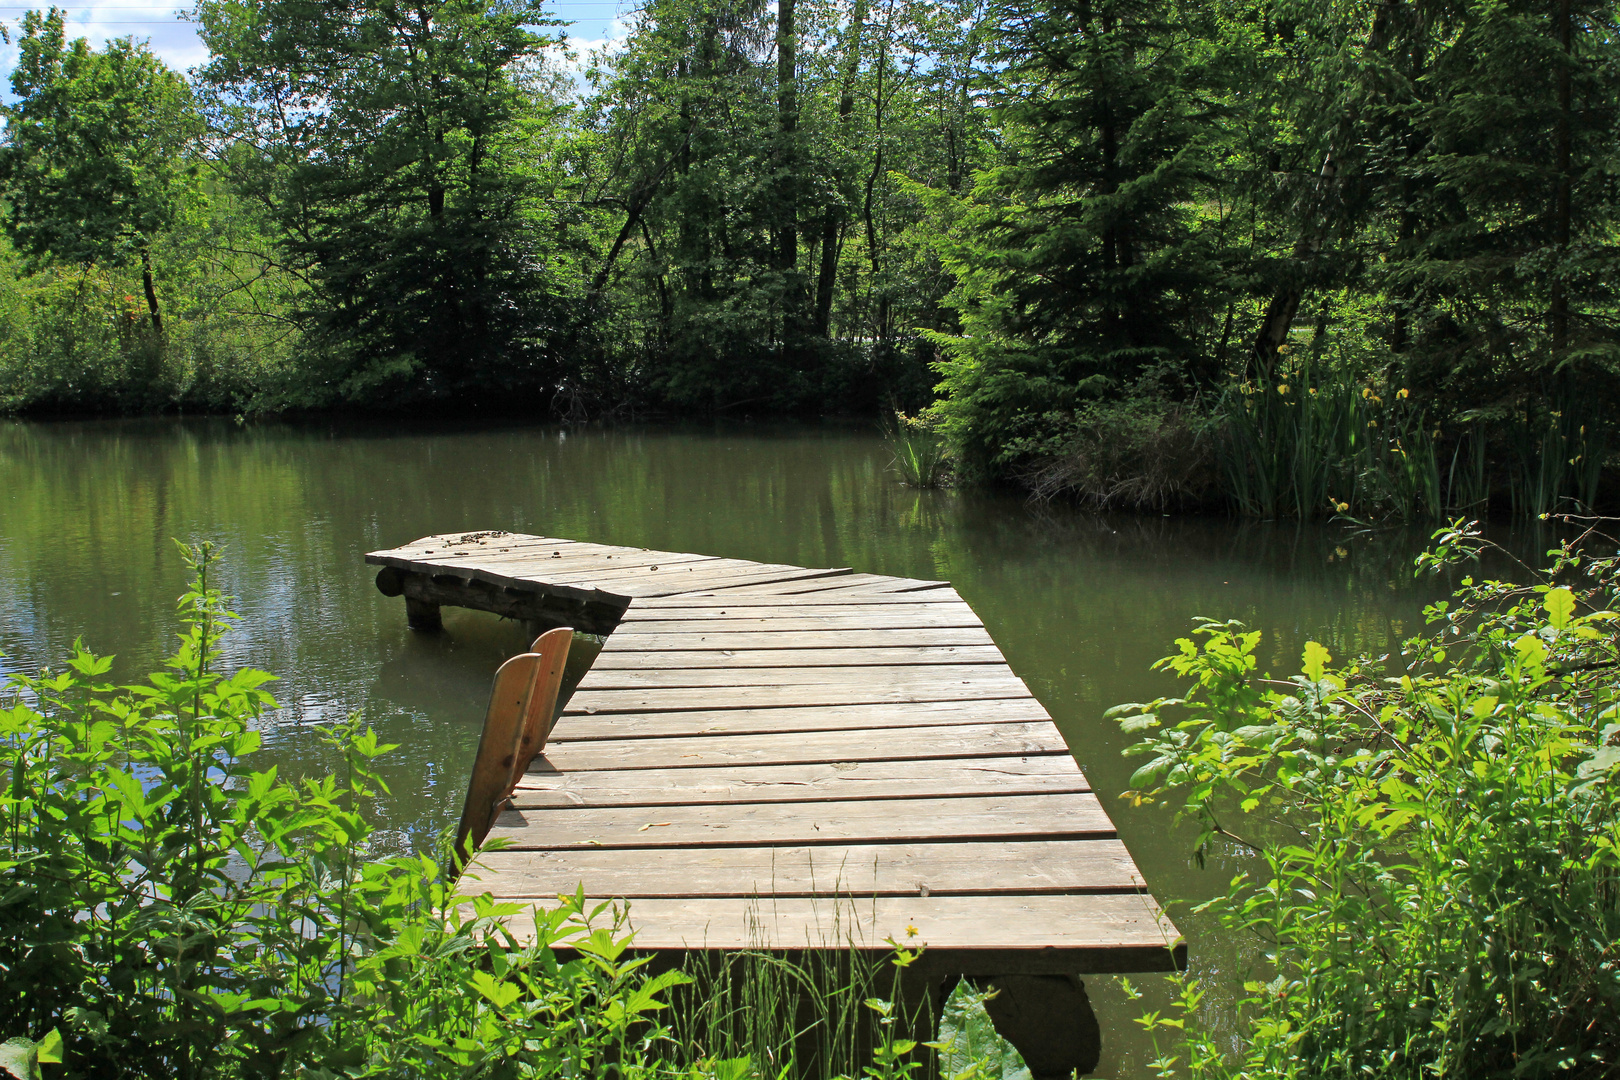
{"x":791,"y":718}
{"x":826,"y":781}
{"x":1001,"y":818}
{"x":1083,"y":933}
{"x":756,"y":739}
{"x":786,"y":655}
{"x":863,"y":870}
{"x":903,"y":744}
{"x":628,"y":646}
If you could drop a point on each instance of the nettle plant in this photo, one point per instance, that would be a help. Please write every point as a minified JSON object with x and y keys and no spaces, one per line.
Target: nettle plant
{"x":167,"y":908}
{"x":1433,"y":845}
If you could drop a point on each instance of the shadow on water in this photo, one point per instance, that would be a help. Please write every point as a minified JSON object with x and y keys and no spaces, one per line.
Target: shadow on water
{"x":1081,"y":604}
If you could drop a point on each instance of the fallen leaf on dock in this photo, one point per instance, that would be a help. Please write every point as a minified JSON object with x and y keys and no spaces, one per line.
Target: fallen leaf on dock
{"x":651,"y":825}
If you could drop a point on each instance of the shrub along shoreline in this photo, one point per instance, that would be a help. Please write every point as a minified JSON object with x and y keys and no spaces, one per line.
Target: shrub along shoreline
{"x":1432,"y":842}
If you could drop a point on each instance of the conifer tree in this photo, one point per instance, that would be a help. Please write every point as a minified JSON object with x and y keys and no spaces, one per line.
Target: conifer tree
{"x":1083,"y":266}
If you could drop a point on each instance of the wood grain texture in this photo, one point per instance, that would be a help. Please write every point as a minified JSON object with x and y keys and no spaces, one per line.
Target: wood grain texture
{"x":1032,"y":774}
{"x":1069,"y":867}
{"x":787,"y":655}
{"x":629,"y":645}
{"x":492,"y":773}
{"x":580,"y":725}
{"x":1090,"y":931}
{"x":767,"y":755}
{"x":1070,"y":815}
{"x":914,"y":744}
{"x":540,"y":710}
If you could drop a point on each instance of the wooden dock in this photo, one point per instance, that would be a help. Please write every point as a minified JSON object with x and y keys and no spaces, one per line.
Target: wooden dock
{"x":781,"y":757}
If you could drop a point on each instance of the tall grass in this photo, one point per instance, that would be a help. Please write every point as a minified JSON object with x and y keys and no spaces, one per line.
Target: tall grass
{"x":918,"y":452}
{"x":1314,"y":442}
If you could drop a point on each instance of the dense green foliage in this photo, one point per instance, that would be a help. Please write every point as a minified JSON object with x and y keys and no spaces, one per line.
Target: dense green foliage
{"x":1112,"y":244}
{"x":1431,"y":850}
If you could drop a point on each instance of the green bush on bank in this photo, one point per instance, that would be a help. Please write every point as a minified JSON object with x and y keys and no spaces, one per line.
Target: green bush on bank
{"x":1433,"y":851}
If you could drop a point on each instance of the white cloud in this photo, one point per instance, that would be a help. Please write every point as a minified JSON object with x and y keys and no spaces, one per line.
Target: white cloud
{"x":157,"y":22}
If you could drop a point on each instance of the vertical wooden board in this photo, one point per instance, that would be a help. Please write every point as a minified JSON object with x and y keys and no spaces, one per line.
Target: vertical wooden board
{"x":540,"y":710}
{"x":492,"y":771}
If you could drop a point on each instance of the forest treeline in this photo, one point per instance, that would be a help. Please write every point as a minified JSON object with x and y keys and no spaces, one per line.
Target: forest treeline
{"x":1297,"y":256}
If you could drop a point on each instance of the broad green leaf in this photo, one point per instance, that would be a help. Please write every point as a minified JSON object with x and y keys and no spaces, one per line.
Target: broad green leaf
{"x":1316,"y":661}
{"x":1560,"y":605}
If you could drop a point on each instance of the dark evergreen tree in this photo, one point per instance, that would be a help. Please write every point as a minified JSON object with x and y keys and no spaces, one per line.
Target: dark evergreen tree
{"x":1085,"y":266}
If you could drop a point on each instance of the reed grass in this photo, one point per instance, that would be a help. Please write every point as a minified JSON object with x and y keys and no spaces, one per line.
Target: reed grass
{"x":918,"y":453}
{"x":1314,"y":442}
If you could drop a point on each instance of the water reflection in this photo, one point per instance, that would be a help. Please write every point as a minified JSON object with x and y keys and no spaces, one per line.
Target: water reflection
{"x":1081,"y":605}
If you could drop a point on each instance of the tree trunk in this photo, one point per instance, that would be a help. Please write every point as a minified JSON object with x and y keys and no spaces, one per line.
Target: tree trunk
{"x":787,"y":167}
{"x":1558,"y":306}
{"x":151,"y":288}
{"x":880,"y":296}
{"x":832,"y":221}
{"x":1285,"y":301}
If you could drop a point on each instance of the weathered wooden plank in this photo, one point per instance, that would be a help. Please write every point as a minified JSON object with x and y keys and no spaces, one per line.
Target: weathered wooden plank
{"x":917,"y":869}
{"x":904,"y":678}
{"x":671,"y":583}
{"x":645,"y":562}
{"x":559,"y":565}
{"x":745,"y":621}
{"x":901,"y":744}
{"x":1078,"y":934}
{"x":1000,"y":818}
{"x":540,"y":712}
{"x":696,"y":603}
{"x":875,"y":588}
{"x":786,"y":656}
{"x":1032,"y":775}
{"x":663,"y":699}
{"x":932,"y":637}
{"x":878,"y":582}
{"x":581,"y":725}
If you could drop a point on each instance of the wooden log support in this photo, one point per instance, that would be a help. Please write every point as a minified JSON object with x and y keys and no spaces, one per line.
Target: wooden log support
{"x":765,"y":757}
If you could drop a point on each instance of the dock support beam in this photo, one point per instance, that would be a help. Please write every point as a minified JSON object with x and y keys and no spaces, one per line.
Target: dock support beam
{"x":422,"y":615}
{"x":540,"y":608}
{"x":1049,"y":1019}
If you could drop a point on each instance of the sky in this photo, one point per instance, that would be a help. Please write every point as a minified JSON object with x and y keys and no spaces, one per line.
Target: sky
{"x":596,"y":22}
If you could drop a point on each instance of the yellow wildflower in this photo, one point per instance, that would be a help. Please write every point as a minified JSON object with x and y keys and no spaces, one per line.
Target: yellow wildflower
{"x":1282,"y":388}
{"x":911,"y":931}
{"x":1403,"y":393}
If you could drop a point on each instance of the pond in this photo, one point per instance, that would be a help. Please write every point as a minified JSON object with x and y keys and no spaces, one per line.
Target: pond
{"x":1080,"y":604}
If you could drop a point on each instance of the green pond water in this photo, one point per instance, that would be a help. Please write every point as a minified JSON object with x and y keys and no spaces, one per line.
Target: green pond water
{"x":1080,"y":604}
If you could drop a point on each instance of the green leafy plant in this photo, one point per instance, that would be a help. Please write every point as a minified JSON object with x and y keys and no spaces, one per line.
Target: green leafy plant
{"x":167,"y":909}
{"x":1433,"y":849}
